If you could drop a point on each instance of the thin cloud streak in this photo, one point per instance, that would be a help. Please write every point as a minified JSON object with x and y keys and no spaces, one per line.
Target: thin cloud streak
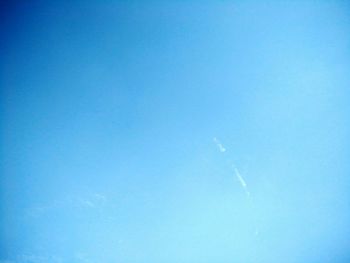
{"x":242,"y":181}
{"x":219,"y":145}
{"x":237,"y":173}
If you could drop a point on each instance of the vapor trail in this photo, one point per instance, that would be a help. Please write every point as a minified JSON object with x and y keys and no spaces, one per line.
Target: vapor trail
{"x":240,"y":178}
{"x":242,"y":181}
{"x":219,"y":145}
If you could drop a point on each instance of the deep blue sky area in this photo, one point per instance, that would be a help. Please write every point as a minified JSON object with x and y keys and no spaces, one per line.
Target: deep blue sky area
{"x":175,"y":132}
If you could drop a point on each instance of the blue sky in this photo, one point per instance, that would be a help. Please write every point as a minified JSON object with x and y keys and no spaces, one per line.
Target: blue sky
{"x":179,"y":131}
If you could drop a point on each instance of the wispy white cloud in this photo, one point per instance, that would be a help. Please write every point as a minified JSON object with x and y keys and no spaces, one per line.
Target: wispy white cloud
{"x":241,"y":181}
{"x":237,"y":173}
{"x":219,"y":145}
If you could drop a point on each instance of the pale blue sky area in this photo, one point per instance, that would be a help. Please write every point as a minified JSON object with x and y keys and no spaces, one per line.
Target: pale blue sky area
{"x":175,"y":132}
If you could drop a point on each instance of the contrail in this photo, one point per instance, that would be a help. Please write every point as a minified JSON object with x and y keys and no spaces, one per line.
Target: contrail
{"x":219,"y":145}
{"x":242,"y":181}
{"x":237,"y":173}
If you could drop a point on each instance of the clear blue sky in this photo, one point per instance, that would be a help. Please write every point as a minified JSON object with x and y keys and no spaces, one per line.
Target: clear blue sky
{"x":175,"y":132}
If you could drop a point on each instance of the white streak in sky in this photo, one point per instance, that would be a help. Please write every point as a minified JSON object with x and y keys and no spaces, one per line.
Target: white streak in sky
{"x":219,"y":145}
{"x":237,"y":173}
{"x":242,"y":181}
